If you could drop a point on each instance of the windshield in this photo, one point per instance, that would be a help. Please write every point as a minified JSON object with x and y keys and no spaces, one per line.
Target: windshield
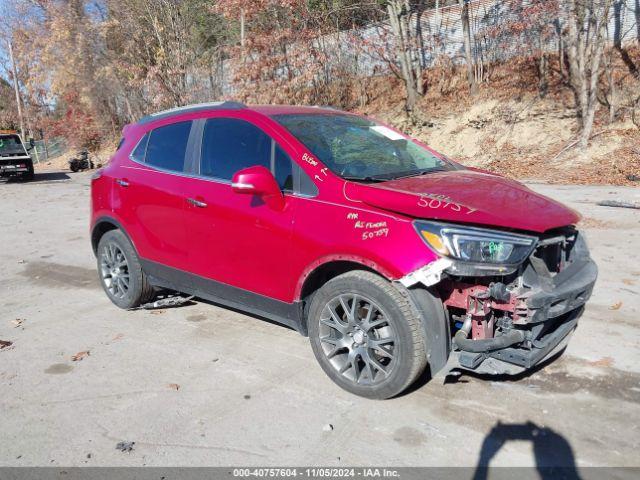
{"x":10,"y":144}
{"x":358,"y":149}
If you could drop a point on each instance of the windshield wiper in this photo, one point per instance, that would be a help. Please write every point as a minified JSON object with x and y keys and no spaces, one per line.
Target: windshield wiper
{"x":385,"y":177}
{"x":417,"y":173}
{"x":373,"y":178}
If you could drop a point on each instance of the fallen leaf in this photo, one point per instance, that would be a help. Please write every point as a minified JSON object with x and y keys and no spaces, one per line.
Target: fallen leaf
{"x":118,"y":337}
{"x":174,"y":386}
{"x":615,"y":306}
{"x":80,"y":355}
{"x":603,"y":362}
{"x":628,"y":281}
{"x":156,"y":312}
{"x":5,"y":343}
{"x":17,"y":322}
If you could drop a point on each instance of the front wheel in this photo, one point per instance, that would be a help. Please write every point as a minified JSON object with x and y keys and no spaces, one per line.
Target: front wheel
{"x":366,"y":335}
{"x":29,"y":175}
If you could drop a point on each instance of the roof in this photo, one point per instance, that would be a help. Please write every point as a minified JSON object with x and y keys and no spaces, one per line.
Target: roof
{"x":271,"y":110}
{"x":199,"y":107}
{"x":268,"y":110}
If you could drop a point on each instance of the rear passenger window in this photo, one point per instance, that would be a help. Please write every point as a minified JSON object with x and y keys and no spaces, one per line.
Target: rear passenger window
{"x":167,"y":146}
{"x":230,"y":144}
{"x":140,"y":150}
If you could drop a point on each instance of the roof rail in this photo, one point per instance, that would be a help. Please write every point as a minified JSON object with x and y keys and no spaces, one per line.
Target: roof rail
{"x":227,"y":105}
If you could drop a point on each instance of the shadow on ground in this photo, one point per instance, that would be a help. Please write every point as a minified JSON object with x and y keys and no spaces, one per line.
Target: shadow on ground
{"x":40,"y":177}
{"x":553,"y":454}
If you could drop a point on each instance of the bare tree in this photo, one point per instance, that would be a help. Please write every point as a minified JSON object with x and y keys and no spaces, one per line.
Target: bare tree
{"x":407,"y":51}
{"x":466,"y":34}
{"x":587,"y":22}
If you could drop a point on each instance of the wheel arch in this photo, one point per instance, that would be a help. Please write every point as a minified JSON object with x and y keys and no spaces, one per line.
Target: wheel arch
{"x":104,"y":225}
{"x":323,"y":270}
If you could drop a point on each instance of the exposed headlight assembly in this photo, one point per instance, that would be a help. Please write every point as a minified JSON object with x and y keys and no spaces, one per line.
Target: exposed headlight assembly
{"x":491,"y":248}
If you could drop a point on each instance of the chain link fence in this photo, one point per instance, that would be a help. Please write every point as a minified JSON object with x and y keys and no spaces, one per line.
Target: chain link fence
{"x":45,"y":150}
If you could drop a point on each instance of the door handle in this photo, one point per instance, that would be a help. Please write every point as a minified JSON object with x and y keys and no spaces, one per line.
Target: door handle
{"x":196,"y":203}
{"x":122,"y":182}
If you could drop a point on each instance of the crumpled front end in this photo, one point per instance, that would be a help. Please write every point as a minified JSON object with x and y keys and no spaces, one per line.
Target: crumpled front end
{"x":507,"y":323}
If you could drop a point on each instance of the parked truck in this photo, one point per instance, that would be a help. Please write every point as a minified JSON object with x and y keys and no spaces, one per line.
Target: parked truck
{"x":15,"y":160}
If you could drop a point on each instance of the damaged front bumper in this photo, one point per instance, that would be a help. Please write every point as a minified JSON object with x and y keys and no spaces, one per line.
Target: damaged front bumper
{"x":509,"y":324}
{"x":517,"y":359}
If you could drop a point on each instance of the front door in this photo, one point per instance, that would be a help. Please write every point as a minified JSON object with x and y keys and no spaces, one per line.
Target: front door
{"x":237,"y":239}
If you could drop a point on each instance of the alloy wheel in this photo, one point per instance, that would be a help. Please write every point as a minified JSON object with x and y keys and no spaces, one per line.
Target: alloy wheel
{"x":114,"y":270}
{"x":357,"y":339}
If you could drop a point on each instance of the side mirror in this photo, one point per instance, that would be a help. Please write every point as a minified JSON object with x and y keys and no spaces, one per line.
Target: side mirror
{"x":259,"y":180}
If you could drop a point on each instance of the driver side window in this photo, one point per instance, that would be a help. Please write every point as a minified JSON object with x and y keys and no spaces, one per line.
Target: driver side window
{"x":231,"y":144}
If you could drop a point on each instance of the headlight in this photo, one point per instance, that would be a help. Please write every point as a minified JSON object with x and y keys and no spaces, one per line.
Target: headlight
{"x":476,"y":245}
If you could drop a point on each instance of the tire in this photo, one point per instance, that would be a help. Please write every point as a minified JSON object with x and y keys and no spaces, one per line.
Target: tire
{"x":29,"y":175}
{"x":120,"y":272}
{"x":353,"y":345}
{"x":73,"y":166}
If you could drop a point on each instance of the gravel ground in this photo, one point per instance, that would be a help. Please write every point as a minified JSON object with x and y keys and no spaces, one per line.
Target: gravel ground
{"x":202,"y":385}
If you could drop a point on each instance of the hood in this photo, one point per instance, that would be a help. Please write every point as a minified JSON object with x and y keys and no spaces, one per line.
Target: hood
{"x":466,"y":196}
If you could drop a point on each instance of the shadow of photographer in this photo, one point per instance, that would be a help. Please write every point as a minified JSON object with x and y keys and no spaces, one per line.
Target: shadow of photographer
{"x":553,"y":454}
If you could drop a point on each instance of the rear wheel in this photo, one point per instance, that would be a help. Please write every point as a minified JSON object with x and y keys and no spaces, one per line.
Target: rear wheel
{"x":120,"y":271}
{"x":366,"y":335}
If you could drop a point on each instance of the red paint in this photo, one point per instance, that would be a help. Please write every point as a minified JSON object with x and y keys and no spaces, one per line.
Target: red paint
{"x":468,"y":197}
{"x":269,"y":244}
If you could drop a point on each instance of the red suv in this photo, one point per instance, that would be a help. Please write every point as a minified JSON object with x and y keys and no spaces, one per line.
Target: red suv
{"x":389,"y":256}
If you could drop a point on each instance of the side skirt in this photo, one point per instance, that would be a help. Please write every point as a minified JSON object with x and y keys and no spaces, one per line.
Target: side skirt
{"x":289,"y":314}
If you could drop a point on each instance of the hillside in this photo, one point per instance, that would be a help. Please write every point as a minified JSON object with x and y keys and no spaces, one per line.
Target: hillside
{"x":507,"y":127}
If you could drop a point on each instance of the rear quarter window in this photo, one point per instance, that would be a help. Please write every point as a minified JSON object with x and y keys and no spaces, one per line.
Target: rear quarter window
{"x":139,"y":152}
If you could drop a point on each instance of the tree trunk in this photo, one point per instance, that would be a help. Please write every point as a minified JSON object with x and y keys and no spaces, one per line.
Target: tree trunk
{"x":466,"y":34}
{"x":410,"y":69}
{"x":543,"y":69}
{"x":587,"y":24}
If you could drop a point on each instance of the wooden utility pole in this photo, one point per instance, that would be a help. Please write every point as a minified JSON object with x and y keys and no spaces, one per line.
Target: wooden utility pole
{"x":242,"y":27}
{"x":17,"y":89}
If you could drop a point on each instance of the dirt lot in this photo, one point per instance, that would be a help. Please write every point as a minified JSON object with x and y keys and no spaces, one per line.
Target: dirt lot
{"x":202,"y":385}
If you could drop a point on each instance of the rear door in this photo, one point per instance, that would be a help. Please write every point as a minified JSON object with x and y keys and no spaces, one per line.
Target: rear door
{"x":151,"y":191}
{"x":237,"y":239}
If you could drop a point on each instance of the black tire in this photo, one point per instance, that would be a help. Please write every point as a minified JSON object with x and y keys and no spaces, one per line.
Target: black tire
{"x":396,"y":315}
{"x":73,"y":166}
{"x":138,"y":289}
{"x":29,"y":175}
